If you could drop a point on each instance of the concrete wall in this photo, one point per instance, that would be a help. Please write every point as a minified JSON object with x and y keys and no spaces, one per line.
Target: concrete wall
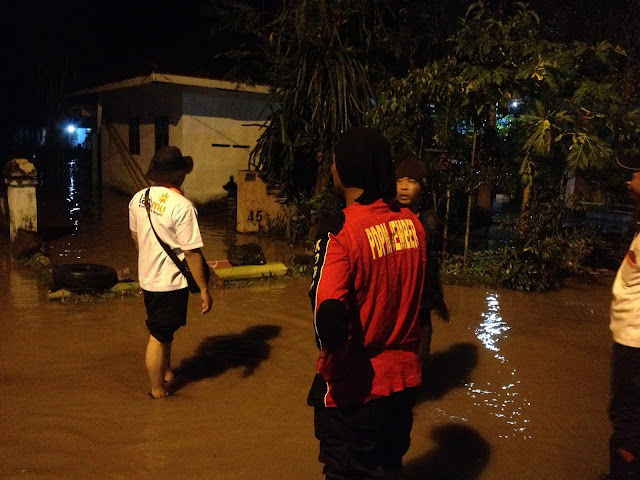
{"x":114,"y":172}
{"x":219,"y":129}
{"x":20,"y":177}
{"x":214,"y":164}
{"x":258,"y":211}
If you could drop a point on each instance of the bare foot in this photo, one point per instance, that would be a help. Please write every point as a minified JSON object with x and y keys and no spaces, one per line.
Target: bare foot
{"x":159,"y":393}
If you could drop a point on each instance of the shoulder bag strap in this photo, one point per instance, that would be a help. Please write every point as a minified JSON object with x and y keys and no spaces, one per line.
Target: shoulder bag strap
{"x":170,"y":252}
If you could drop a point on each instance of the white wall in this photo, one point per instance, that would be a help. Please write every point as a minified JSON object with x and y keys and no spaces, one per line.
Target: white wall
{"x":213,"y":165}
{"x":114,"y":172}
{"x":215,"y":125}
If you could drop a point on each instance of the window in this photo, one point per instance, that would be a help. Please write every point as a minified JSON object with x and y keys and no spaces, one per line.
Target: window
{"x":134,"y":135}
{"x":162,"y":132}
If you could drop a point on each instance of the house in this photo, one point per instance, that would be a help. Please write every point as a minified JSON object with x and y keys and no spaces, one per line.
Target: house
{"x":214,"y":121}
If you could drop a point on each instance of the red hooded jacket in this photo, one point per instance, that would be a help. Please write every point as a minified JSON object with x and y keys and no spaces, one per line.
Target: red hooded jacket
{"x":372,"y":259}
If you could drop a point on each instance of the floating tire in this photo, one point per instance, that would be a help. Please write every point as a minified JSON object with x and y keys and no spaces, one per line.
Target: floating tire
{"x":84,"y":276}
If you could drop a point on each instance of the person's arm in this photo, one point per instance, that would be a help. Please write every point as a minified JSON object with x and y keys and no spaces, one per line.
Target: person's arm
{"x":432,"y":293}
{"x":330,"y":286}
{"x":134,"y":236}
{"x":196,"y":263}
{"x":190,"y":241}
{"x":133,"y":224}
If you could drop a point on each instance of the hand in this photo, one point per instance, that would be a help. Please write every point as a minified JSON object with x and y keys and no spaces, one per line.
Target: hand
{"x":207,"y":301}
{"x":332,"y":324}
{"x":443,"y":312}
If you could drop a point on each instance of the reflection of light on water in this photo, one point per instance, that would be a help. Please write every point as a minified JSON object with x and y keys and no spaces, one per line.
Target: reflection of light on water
{"x":504,"y":401}
{"x":443,"y":414}
{"x":72,"y":193}
{"x":491,"y":329}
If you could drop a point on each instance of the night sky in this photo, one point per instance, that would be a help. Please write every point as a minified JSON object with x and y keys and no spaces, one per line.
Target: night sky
{"x":78,"y":44}
{"x":88,"y":43}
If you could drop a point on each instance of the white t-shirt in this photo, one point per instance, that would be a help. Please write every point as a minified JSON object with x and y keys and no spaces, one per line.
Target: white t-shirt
{"x":625,"y":306}
{"x":176,"y":223}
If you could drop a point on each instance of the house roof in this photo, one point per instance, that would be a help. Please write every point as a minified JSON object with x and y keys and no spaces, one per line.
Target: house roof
{"x":156,"y":77}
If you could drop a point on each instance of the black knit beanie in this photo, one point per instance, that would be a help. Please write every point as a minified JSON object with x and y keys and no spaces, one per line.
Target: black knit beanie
{"x":413,"y":168}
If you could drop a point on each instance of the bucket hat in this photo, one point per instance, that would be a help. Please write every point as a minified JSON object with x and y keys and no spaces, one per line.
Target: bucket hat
{"x":632,"y":162}
{"x":168,"y":165}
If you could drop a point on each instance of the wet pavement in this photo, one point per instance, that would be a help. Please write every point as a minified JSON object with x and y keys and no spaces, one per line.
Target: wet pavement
{"x":517,"y":387}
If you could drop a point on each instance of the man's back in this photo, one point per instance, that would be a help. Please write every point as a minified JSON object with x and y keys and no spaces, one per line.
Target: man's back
{"x":372,"y":259}
{"x":174,"y":220}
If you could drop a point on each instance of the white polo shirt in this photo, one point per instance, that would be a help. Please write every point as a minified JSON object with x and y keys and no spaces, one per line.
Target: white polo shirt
{"x":625,"y":306}
{"x":175,"y":220}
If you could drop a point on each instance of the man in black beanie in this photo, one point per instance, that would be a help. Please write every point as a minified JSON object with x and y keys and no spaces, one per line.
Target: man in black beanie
{"x":411,"y":182}
{"x":365,"y":294}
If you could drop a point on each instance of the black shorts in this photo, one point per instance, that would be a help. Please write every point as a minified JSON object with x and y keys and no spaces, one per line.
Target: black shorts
{"x":625,"y":398}
{"x":365,"y":441}
{"x":166,"y":312}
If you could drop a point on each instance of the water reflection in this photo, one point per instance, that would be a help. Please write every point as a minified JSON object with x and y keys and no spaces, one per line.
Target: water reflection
{"x":72,"y":194}
{"x":493,"y":327}
{"x":20,"y":289}
{"x":504,"y":399}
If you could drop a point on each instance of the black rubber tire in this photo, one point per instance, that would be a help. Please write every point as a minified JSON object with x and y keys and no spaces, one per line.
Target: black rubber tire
{"x":84,"y":276}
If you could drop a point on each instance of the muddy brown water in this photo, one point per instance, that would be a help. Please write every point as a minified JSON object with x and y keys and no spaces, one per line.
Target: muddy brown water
{"x":517,"y":387}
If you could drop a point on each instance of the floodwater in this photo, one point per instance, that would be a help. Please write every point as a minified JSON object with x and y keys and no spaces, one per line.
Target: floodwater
{"x":517,"y":387}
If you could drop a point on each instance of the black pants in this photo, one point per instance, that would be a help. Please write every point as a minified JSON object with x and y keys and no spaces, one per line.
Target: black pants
{"x":625,"y":413}
{"x":363,"y":442}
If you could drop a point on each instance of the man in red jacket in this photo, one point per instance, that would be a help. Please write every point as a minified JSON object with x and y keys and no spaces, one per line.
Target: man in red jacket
{"x":366,"y":290}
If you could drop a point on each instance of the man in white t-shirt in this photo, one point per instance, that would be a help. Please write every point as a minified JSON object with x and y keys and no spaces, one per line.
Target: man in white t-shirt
{"x":624,"y":447}
{"x":165,"y":289}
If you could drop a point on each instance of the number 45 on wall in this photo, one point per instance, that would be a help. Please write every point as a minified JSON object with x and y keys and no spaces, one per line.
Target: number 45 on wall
{"x":255,"y":217}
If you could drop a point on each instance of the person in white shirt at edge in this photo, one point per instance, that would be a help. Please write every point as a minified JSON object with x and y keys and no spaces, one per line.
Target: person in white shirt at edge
{"x":624,"y":446}
{"x":165,"y":289}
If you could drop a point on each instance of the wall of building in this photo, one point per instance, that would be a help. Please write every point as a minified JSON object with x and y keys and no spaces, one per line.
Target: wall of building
{"x":114,"y":172}
{"x":144,"y":102}
{"x":219,"y":129}
{"x":215,"y":157}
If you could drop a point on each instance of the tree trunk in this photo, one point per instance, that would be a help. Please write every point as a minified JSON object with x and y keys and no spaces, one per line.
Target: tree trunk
{"x":321,"y":182}
{"x":526,"y":194}
{"x":469,"y":204}
{"x":484,"y":190}
{"x":484,"y":201}
{"x":445,"y":233}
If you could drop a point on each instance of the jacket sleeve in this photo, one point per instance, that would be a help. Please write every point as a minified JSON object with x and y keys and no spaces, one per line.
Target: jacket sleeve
{"x":331,"y":278}
{"x":432,"y":294}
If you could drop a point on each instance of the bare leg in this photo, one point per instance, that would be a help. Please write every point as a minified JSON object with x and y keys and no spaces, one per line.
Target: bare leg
{"x":155,"y":362}
{"x":168,"y":373}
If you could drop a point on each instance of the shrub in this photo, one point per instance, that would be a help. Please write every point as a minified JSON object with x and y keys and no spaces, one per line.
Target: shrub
{"x":538,"y":265}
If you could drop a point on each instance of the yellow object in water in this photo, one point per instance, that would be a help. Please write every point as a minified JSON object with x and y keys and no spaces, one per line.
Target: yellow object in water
{"x":125,"y":287}
{"x":60,"y":294}
{"x":243,"y":272}
{"x":120,"y":287}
